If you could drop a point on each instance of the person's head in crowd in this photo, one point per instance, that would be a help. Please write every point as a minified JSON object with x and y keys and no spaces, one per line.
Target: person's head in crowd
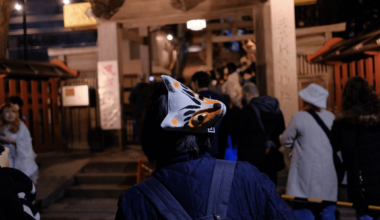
{"x":4,"y":160}
{"x":230,"y":68}
{"x":200,"y":81}
{"x":250,"y":92}
{"x":9,"y":117}
{"x":16,"y":101}
{"x":248,"y":74}
{"x":359,"y":97}
{"x":159,"y":144}
{"x":314,"y":97}
{"x":244,"y":62}
{"x":213,"y":75}
{"x":181,"y":80}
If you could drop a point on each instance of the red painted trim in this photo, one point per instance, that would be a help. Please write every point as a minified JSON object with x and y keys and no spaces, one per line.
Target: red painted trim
{"x":324,"y":48}
{"x":63,"y":66}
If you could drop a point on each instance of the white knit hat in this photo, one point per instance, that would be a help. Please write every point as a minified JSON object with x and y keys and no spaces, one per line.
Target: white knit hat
{"x":315,"y":94}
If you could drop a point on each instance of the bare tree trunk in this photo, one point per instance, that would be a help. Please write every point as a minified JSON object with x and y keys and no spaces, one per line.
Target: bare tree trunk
{"x":5,"y":15}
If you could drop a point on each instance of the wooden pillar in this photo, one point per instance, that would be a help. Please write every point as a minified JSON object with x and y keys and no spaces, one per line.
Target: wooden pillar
{"x":276,"y":53}
{"x":5,"y":16}
{"x":144,"y":53}
{"x":209,"y":58}
{"x":110,"y":49}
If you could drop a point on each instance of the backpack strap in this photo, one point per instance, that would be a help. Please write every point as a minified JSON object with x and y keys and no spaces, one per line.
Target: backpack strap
{"x":162,"y":199}
{"x":220,"y":188}
{"x":321,"y":124}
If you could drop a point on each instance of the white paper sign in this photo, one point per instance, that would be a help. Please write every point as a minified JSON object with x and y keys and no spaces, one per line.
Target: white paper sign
{"x":75,"y":96}
{"x":109,"y":95}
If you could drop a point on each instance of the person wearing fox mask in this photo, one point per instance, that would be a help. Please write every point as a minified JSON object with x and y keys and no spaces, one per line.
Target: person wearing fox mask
{"x":188,"y":183}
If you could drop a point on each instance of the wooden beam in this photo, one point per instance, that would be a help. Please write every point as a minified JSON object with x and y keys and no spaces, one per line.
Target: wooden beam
{"x":181,"y":18}
{"x":70,"y":51}
{"x":222,"y":26}
{"x":221,"y":39}
{"x":129,"y":35}
{"x":36,"y":18}
{"x":50,"y":30}
{"x":185,"y":5}
{"x":321,"y":29}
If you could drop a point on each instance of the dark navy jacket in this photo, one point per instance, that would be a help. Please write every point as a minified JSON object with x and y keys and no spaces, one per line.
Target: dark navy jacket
{"x":253,"y":195}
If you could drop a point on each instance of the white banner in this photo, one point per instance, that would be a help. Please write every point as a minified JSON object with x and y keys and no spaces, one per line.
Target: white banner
{"x":109,"y":95}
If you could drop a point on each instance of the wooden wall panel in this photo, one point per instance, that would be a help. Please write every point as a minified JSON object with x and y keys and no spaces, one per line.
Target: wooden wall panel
{"x":369,"y":70}
{"x":360,"y":66}
{"x":36,"y":130}
{"x":55,"y":112}
{"x":352,"y":69}
{"x":12,"y":88}
{"x":344,"y":74}
{"x":377,"y":72}
{"x":2,"y":92}
{"x":338,"y":85}
{"x":45,"y":121}
{"x":24,"y":97}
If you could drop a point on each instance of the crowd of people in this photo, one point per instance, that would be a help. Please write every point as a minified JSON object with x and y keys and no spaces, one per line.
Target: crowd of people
{"x":189,"y":133}
{"x":325,"y":148}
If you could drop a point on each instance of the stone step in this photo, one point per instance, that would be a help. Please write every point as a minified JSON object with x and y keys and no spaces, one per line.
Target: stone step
{"x":106,"y":178}
{"x":118,"y":166}
{"x":81,"y":209}
{"x":111,"y":191}
{"x":77,"y":216}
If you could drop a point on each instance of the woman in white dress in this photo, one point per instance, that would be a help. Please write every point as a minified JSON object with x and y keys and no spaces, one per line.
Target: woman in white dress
{"x":15,"y":135}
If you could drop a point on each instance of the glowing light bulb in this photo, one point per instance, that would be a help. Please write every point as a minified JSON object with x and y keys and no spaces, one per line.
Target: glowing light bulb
{"x":151,"y":78}
{"x":18,"y":7}
{"x":169,"y":37}
{"x":66,"y":2}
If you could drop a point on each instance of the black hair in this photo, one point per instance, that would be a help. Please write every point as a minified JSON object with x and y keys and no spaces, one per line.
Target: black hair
{"x":16,"y":100}
{"x":202,"y":78}
{"x":161,"y":145}
{"x":359,"y":97}
{"x":231,"y":68}
{"x":181,"y":80}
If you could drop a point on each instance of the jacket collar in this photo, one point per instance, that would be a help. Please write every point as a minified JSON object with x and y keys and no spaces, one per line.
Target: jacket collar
{"x":179,"y":158}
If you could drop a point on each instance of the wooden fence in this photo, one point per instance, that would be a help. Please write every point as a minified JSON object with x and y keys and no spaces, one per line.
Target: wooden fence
{"x":40,"y":110}
{"x":368,"y":68}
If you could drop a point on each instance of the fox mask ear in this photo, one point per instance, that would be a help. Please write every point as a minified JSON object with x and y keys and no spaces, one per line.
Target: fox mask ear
{"x":185,"y":107}
{"x":171,"y":84}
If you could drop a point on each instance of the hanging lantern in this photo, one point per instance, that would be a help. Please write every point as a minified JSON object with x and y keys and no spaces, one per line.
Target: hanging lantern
{"x":196,"y":25}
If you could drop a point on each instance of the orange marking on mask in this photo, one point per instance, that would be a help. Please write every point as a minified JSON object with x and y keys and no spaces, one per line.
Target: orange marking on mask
{"x":211,"y":113}
{"x":176,"y":85}
{"x":210,"y":101}
{"x":174,"y":122}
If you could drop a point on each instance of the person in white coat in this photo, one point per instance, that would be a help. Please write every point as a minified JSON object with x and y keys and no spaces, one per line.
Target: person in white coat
{"x":232,"y":86}
{"x":312,"y":173}
{"x":15,"y":135}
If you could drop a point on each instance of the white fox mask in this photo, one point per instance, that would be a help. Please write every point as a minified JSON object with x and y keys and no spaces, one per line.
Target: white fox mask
{"x":188,"y":111}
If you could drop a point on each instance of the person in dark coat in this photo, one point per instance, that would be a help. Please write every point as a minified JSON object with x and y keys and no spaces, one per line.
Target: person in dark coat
{"x":356,"y":132}
{"x":246,"y":131}
{"x":138,"y":99}
{"x":185,"y":169}
{"x":17,"y":192}
{"x":200,"y":82}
